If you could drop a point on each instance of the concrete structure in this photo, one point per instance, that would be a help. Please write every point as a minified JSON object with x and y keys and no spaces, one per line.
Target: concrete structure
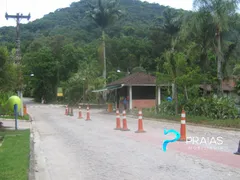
{"x":139,"y":87}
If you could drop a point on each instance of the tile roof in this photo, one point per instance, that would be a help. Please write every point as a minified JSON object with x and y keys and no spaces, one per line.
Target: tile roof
{"x":138,"y":78}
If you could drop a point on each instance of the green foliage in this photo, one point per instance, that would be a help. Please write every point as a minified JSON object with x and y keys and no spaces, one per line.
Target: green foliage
{"x":8,"y":72}
{"x":14,"y":154}
{"x":167,"y":107}
{"x":237,"y":88}
{"x":213,"y":107}
{"x":210,"y":107}
{"x":105,"y":13}
{"x":3,"y":101}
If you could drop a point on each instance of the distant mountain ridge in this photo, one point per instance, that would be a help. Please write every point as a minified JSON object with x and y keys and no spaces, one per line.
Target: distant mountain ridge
{"x":71,"y":22}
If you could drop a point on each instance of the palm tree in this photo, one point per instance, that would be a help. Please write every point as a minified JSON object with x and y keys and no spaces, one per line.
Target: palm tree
{"x":104,"y":14}
{"x":197,"y":28}
{"x":172,"y":22}
{"x":221,"y":11}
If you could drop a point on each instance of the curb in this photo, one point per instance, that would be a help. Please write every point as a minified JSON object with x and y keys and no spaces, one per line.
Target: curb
{"x":14,"y":120}
{"x":30,"y":119}
{"x":188,"y":123}
{"x":32,"y":159}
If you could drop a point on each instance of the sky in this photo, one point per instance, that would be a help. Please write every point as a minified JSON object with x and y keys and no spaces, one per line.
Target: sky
{"x":38,"y":8}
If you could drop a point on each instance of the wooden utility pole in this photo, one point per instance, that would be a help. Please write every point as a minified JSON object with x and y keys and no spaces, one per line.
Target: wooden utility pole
{"x":18,"y":17}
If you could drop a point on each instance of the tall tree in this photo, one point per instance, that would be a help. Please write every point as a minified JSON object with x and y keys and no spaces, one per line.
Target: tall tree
{"x":221,"y":12}
{"x":104,"y":14}
{"x":197,"y":29}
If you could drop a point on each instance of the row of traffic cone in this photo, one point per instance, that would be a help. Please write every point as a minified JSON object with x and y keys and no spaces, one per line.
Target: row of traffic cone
{"x":69,"y":112}
{"x":124,"y":122}
{"x":183,"y":136}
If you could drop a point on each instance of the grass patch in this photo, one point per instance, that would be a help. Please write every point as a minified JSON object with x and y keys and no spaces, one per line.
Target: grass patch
{"x":25,"y":117}
{"x":231,"y":123}
{"x":14,"y":154}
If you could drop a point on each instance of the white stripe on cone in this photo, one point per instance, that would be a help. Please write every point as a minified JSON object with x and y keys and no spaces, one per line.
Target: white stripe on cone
{"x":183,"y":115}
{"x":183,"y":122}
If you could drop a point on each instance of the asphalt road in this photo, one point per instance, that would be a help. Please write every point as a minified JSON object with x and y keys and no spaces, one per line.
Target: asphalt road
{"x":68,"y":148}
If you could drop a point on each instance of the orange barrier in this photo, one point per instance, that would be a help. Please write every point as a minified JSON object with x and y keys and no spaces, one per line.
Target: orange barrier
{"x":118,"y":121}
{"x":80,"y":113}
{"x":88,"y":114}
{"x":140,"y":123}
{"x":183,"y":127}
{"x":125,"y":128}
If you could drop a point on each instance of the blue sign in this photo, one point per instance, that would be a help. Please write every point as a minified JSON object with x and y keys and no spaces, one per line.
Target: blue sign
{"x":165,"y":143}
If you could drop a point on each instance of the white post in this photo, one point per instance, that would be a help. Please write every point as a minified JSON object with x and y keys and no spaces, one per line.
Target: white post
{"x":20,"y":95}
{"x":159,"y":95}
{"x":130,"y":97}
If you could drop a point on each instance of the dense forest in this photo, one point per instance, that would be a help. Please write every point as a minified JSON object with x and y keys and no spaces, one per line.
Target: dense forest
{"x":81,"y":47}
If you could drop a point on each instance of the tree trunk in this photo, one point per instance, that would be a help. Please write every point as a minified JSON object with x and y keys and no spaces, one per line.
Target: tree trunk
{"x":173,"y":90}
{"x":185,"y":92}
{"x":176,"y":98}
{"x":104,"y":64}
{"x":219,"y":62}
{"x":58,"y":81}
{"x":157,"y":107}
{"x":104,"y":56}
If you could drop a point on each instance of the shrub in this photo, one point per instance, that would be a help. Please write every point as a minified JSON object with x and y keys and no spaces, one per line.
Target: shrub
{"x":212,"y":107}
{"x":3,"y":100}
{"x":167,"y":107}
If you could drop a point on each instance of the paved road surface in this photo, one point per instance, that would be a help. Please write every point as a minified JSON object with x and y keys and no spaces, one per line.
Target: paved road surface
{"x":68,"y":148}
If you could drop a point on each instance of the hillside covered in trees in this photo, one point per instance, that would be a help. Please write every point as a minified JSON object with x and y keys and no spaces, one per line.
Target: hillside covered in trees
{"x":70,"y":47}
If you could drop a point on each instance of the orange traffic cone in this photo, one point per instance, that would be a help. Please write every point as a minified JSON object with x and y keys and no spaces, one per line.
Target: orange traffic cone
{"x":66,"y":110}
{"x":140,"y":123}
{"x":238,"y":151}
{"x":125,"y":128}
{"x":183,"y":127}
{"x":24,"y":109}
{"x":80,"y":113}
{"x":118,"y":121}
{"x":88,"y":114}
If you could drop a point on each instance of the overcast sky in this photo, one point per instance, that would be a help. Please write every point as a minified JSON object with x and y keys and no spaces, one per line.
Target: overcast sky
{"x":38,"y":8}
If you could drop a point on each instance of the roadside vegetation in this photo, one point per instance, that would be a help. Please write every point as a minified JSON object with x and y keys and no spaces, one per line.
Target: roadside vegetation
{"x":190,"y":119}
{"x":14,"y":154}
{"x":24,"y":117}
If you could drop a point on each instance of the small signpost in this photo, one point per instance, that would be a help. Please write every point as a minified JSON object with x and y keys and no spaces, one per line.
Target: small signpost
{"x":16,"y":115}
{"x":59,"y":92}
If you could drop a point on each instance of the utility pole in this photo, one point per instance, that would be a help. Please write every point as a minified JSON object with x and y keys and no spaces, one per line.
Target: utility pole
{"x":18,"y":17}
